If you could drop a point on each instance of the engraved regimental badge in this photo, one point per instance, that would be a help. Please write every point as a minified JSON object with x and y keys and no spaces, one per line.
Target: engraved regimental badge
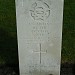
{"x":40,"y":10}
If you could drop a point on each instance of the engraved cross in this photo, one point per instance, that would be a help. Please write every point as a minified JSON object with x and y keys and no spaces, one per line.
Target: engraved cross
{"x":40,"y":52}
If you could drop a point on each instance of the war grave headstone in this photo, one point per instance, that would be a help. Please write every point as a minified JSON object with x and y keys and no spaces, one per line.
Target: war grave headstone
{"x":39,"y":30}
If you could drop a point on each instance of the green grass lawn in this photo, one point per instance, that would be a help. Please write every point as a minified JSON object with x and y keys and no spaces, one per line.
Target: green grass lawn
{"x":8,"y":37}
{"x":68,"y":49}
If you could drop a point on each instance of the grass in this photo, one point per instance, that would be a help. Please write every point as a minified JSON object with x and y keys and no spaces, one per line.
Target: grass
{"x":8,"y":37}
{"x":68,"y":49}
{"x":8,"y":34}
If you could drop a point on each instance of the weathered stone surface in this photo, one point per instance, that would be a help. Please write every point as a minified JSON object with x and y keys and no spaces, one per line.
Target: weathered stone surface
{"x":39,"y":28}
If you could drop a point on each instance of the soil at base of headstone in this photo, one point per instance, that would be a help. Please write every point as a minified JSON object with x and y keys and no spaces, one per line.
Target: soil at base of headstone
{"x":66,"y":69}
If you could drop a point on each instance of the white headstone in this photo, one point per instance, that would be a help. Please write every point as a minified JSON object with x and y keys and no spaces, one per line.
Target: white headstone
{"x":39,"y":29}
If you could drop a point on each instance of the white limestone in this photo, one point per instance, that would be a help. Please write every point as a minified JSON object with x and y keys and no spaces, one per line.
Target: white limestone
{"x":39,"y":29}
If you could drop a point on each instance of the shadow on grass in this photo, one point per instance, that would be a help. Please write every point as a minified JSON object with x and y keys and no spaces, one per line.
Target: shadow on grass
{"x":8,"y":48}
{"x":67,"y":69}
{"x":73,"y":69}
